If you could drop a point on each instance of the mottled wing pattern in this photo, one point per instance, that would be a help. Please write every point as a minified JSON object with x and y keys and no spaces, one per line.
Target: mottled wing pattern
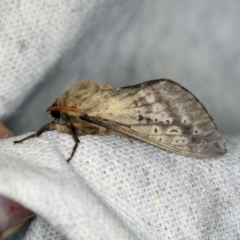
{"x":162,"y":113}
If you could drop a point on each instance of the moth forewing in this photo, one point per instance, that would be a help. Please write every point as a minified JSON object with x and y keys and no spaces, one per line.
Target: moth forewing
{"x":162,"y":113}
{"x":159,"y":112}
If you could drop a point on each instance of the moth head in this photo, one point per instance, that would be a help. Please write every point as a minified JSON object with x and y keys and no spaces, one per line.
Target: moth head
{"x":54,"y":114}
{"x":64,"y":112}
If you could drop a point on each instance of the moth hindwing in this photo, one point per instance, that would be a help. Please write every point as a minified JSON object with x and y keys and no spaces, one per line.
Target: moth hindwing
{"x":159,"y":112}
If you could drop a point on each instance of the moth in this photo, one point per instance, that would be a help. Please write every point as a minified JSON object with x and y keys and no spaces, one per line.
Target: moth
{"x":160,"y":112}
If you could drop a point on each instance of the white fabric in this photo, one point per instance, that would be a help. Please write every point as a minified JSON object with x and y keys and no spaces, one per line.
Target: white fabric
{"x":113,"y":189}
{"x":34,"y":29}
{"x":116,"y":190}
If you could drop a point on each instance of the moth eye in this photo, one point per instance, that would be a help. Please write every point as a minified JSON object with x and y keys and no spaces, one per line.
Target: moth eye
{"x":55,"y":114}
{"x":216,"y":144}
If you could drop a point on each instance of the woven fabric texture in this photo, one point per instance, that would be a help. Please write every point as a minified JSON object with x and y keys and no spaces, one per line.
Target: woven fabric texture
{"x":116,"y":190}
{"x":113,"y":189}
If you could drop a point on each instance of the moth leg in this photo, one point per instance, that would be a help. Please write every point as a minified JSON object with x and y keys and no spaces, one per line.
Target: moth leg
{"x":125,"y":136}
{"x":108,"y":131}
{"x":75,"y":138}
{"x":47,"y":127}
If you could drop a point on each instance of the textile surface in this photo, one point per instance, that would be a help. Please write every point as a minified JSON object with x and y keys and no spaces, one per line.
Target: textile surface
{"x":113,"y":189}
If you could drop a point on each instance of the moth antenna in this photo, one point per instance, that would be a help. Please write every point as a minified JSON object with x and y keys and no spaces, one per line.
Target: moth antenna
{"x":66,"y":109}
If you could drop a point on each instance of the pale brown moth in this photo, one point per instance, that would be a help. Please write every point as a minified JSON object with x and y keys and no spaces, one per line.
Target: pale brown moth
{"x":159,"y":112}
